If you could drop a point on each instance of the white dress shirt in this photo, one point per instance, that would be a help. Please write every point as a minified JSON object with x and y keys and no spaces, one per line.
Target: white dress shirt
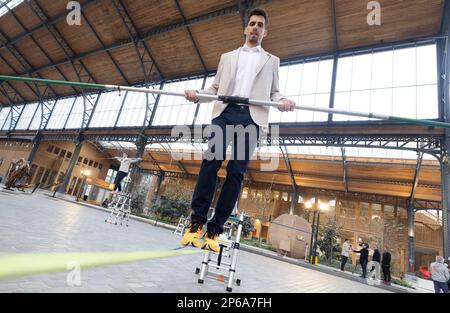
{"x":125,"y":163}
{"x":345,"y":249}
{"x":246,"y":70}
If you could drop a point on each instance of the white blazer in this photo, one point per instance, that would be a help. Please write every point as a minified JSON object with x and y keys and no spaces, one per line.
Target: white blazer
{"x":265,"y":86}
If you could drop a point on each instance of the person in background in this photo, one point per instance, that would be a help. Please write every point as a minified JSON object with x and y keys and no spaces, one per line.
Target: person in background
{"x":448,"y":266}
{"x":440,"y":275}
{"x":363,"y":258}
{"x":344,"y":254}
{"x":125,"y":163}
{"x":386,"y":266}
{"x":376,"y":260}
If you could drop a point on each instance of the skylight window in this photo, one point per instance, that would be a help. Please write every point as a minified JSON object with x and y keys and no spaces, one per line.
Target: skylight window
{"x":6,"y":5}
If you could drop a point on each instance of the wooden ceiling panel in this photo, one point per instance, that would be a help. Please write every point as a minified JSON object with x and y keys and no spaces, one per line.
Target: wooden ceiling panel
{"x":194,"y":8}
{"x":3,"y":100}
{"x":216,"y":37}
{"x":256,"y":165}
{"x":24,"y":90}
{"x":31,"y":52}
{"x":105,"y":20}
{"x":299,"y":27}
{"x":430,"y":176}
{"x":161,"y":156}
{"x":329,"y":184}
{"x":79,"y":38}
{"x":5,"y":63}
{"x":261,"y":165}
{"x":191,"y":169}
{"x":69,"y":72}
{"x":191,"y":163}
{"x":151,"y":14}
{"x":96,"y":63}
{"x":50,"y":45}
{"x":429,"y":194}
{"x":148,"y":166}
{"x":27,"y":16}
{"x":128,"y":61}
{"x":9,"y":26}
{"x":11,"y":62}
{"x":382,"y":172}
{"x":170,"y":168}
{"x":175,"y":47}
{"x":379,"y":188}
{"x":54,"y":74}
{"x":400,"y":20}
{"x":53,"y":8}
{"x":269,"y":178}
{"x":306,"y":166}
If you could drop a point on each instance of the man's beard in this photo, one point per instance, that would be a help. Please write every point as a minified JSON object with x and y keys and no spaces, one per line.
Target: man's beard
{"x":253,"y":39}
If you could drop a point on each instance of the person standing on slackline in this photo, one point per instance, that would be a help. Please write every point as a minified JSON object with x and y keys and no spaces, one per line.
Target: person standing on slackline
{"x":248,"y":72}
{"x":125,"y":163}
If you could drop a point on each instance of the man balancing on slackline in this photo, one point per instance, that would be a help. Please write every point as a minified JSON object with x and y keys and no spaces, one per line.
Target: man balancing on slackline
{"x":248,"y":72}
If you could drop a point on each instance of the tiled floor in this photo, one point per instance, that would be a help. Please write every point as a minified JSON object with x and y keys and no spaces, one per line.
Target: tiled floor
{"x":38,"y":223}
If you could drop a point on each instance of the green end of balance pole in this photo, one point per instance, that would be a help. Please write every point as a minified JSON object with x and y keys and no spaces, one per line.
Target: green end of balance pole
{"x":51,"y":82}
{"x":419,"y":122}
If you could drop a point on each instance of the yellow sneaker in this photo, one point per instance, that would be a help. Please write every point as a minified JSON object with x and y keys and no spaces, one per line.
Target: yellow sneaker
{"x":211,"y":242}
{"x":192,"y":236}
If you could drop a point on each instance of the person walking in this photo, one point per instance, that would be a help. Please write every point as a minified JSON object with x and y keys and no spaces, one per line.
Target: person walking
{"x":363,"y":258}
{"x":125,"y":163}
{"x":376,"y":260}
{"x":440,"y":275}
{"x":344,"y":254}
{"x":386,"y":266}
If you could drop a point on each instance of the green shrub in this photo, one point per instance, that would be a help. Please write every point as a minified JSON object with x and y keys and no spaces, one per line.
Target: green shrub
{"x":401,"y":282}
{"x":170,"y":210}
{"x":258,"y":244}
{"x":137,"y":201}
{"x":247,"y":225}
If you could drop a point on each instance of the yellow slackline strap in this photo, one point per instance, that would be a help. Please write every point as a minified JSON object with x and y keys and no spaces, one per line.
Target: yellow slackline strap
{"x":17,"y":265}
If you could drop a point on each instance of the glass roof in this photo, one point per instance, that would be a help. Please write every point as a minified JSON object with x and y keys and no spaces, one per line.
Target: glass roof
{"x":6,"y":5}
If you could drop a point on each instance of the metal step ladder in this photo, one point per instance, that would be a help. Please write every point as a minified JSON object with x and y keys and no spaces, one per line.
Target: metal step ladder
{"x":183,"y":223}
{"x":226,"y":259}
{"x":121,"y":208}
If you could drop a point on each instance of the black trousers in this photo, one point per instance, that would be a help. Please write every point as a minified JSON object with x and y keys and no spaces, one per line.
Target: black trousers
{"x":119,"y":177}
{"x":364,"y":267}
{"x":343,"y":262}
{"x":244,"y":141}
{"x":386,"y":273}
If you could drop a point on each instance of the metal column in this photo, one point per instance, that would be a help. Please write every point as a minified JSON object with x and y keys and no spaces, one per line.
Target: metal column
{"x":135,"y":171}
{"x":445,"y":190}
{"x":294,"y":201}
{"x":73,"y":161}
{"x":161,"y":176}
{"x":443,"y":48}
{"x":411,"y":211}
{"x":34,"y":148}
{"x":411,"y":239}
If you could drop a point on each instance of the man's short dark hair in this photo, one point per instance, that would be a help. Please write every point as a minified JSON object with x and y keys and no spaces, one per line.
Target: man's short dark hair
{"x":259,"y":12}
